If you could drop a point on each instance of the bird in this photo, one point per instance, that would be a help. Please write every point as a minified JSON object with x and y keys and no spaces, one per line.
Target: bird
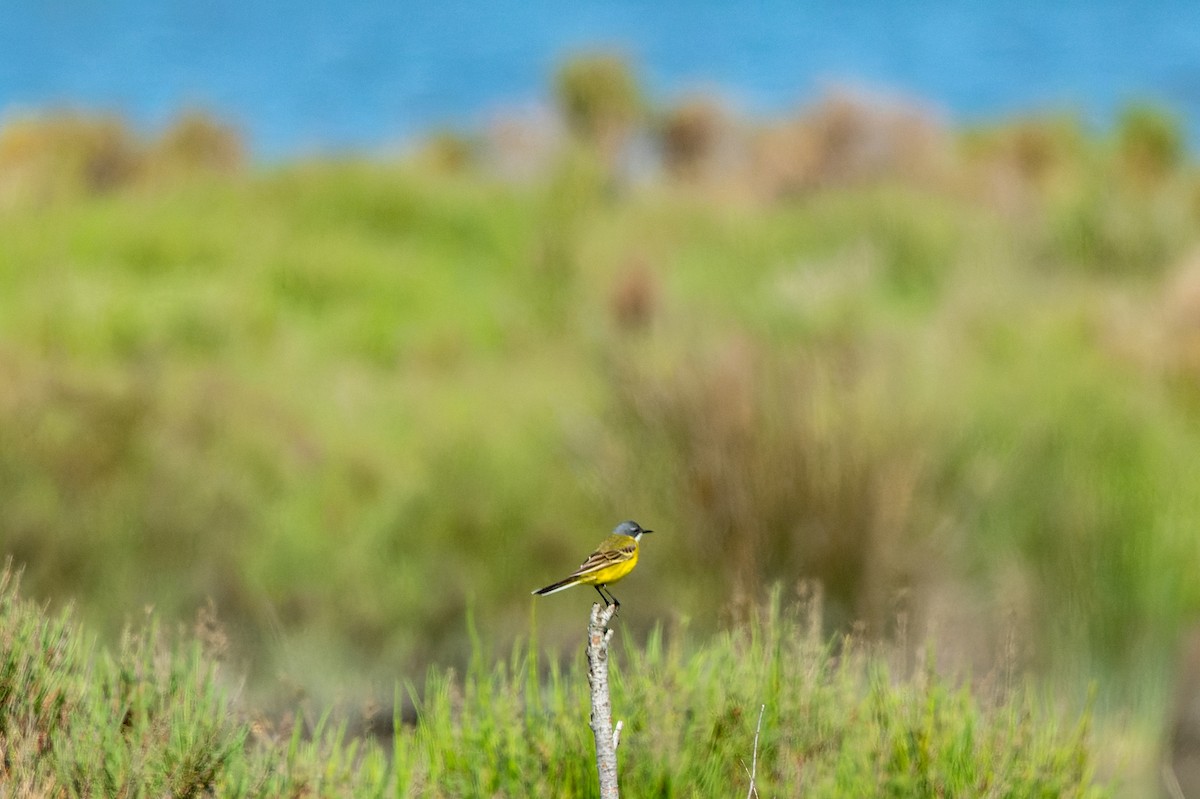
{"x":613,"y":559}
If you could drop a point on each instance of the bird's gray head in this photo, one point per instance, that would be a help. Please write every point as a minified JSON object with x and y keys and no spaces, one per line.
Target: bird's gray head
{"x":631,"y":529}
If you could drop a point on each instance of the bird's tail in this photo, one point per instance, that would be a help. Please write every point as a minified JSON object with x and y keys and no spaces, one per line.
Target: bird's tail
{"x":561,"y":585}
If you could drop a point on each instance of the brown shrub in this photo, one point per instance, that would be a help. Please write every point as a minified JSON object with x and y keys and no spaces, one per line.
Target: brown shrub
{"x":781,"y":469}
{"x":846,"y":140}
{"x":635,"y":297}
{"x":448,"y":152}
{"x":57,"y":156}
{"x":46,"y":158}
{"x":195,"y":142}
{"x":1015,"y":166}
{"x":695,"y":135}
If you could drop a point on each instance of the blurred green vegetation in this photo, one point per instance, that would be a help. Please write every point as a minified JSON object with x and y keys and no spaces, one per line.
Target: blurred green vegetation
{"x":947,"y":375}
{"x":155,"y":716}
{"x":599,"y":95}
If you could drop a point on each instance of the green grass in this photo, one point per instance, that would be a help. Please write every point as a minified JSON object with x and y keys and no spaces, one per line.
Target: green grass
{"x":157,"y":715}
{"x":148,"y":717}
{"x":350,"y":401}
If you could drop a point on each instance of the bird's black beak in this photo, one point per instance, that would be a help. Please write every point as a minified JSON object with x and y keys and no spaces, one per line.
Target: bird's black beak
{"x":647,"y":531}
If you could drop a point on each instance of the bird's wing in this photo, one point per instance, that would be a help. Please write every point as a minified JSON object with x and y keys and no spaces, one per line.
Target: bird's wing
{"x":606,"y":556}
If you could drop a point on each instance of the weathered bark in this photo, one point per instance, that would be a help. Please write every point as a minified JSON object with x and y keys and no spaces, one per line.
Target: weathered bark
{"x":602,"y":724}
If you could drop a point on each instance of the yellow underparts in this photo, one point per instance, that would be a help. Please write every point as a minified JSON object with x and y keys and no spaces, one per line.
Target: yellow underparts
{"x":610,"y":574}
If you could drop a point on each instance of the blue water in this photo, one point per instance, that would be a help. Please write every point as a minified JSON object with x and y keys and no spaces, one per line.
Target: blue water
{"x":305,"y":76}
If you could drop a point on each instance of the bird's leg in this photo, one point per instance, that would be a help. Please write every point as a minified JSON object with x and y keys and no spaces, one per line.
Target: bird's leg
{"x":602,"y":596}
{"x":612,"y":596}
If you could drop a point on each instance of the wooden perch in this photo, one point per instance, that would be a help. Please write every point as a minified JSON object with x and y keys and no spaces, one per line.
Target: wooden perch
{"x":607,"y":739}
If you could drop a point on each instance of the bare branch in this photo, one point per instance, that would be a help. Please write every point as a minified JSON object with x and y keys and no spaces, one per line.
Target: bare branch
{"x":599,"y":636}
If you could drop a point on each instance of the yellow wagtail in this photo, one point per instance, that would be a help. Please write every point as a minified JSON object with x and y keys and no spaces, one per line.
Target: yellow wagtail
{"x":613,"y":559}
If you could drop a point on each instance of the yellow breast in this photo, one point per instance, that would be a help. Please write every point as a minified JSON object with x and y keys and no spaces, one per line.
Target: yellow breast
{"x":610,"y":574}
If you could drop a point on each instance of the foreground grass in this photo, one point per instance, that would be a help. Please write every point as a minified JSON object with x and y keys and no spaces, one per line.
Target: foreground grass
{"x":155,"y":717}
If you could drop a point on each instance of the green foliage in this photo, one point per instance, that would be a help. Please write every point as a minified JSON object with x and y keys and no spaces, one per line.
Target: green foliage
{"x":1150,"y":142}
{"x":349,"y":400}
{"x":149,"y":719}
{"x":1102,"y":543}
{"x":833,"y":725}
{"x":152,"y":719}
{"x":598,"y":95}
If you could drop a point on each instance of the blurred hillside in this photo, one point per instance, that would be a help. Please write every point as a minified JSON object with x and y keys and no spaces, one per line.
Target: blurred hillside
{"x":950,"y":376}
